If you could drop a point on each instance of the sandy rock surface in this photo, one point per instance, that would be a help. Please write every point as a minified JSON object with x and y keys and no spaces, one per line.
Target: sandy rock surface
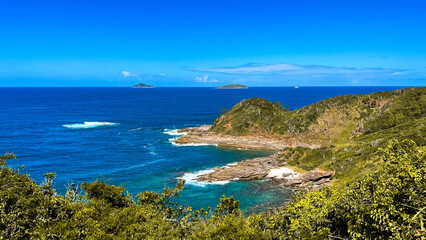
{"x":204,"y":135}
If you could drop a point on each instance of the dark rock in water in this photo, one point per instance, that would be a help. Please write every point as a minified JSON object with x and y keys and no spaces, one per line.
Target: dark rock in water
{"x":142,"y":85}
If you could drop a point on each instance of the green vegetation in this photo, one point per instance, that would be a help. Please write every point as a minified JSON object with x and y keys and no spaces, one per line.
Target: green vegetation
{"x":387,"y":204}
{"x":305,"y":158}
{"x":328,"y":118}
{"x":379,"y":190}
{"x":248,"y":116}
{"x":349,"y":128}
{"x":233,"y":86}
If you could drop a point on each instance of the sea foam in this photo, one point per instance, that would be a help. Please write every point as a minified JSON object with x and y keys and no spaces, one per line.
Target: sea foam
{"x":174,"y":132}
{"x":191,"y":178}
{"x":172,"y":140}
{"x":86,"y":125}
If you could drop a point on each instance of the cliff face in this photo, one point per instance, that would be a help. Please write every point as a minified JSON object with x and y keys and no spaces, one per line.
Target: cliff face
{"x":349,"y":128}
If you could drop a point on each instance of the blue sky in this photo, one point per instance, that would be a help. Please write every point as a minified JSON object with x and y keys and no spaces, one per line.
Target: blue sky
{"x":210,"y":43}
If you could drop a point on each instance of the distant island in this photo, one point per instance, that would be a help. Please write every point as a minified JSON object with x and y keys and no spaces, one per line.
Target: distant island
{"x":143,"y":85}
{"x":233,"y":86}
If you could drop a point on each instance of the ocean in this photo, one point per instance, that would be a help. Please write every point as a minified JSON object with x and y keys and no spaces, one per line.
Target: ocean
{"x":125,"y":136}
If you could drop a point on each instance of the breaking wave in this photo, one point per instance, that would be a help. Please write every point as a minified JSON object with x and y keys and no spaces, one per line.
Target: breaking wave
{"x":174,"y":132}
{"x":191,"y":178}
{"x":86,"y":125}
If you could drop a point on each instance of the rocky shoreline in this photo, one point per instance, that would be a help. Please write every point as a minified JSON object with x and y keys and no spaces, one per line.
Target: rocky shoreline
{"x":258,"y":168}
{"x":269,"y":168}
{"x":204,"y":135}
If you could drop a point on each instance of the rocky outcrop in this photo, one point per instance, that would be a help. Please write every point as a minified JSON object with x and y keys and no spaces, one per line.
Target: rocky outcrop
{"x":204,"y":135}
{"x":257,"y":168}
{"x":260,"y":168}
{"x":313,"y":179}
{"x":252,"y":169}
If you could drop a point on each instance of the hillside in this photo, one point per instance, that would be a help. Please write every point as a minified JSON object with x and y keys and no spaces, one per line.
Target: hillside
{"x":349,"y":128}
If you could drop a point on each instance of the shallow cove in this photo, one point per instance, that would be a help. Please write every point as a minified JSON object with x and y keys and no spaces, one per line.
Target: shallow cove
{"x":135,"y":152}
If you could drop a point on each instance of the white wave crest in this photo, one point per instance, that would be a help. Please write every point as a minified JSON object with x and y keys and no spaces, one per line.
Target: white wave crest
{"x":172,"y":140}
{"x":174,"y":132}
{"x":191,"y":178}
{"x":136,"y":129}
{"x":86,"y":125}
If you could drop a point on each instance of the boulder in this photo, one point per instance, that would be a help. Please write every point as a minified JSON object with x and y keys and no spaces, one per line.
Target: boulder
{"x":316,"y":174}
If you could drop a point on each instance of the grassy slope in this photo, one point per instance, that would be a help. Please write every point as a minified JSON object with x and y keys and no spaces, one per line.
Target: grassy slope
{"x":351,"y":128}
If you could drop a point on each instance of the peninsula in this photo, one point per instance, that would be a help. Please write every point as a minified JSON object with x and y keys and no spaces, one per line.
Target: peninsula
{"x":233,"y":86}
{"x":335,"y":138}
{"x":142,"y":85}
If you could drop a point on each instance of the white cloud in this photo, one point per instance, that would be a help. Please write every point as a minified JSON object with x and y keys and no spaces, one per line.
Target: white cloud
{"x":127,"y":74}
{"x":294,"y":69}
{"x":205,"y":79}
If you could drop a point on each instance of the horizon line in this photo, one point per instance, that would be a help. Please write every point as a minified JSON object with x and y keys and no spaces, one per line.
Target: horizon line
{"x":293,"y":86}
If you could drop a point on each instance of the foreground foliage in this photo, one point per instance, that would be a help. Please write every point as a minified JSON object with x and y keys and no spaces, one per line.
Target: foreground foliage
{"x":387,"y":204}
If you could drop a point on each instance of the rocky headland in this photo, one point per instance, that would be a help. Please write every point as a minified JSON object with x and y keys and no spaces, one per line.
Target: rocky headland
{"x":337,"y":138}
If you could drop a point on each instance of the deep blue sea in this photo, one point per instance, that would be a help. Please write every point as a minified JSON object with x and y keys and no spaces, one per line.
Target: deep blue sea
{"x":45,"y":128}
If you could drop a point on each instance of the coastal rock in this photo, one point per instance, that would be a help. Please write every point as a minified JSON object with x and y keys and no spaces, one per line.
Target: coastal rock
{"x":267,"y":167}
{"x":253,"y":169}
{"x":315,"y":179}
{"x":316,"y":175}
{"x":204,"y":135}
{"x":257,"y":168}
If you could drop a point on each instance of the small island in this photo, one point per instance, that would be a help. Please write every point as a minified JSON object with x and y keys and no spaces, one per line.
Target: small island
{"x":143,"y":85}
{"x":233,"y":86}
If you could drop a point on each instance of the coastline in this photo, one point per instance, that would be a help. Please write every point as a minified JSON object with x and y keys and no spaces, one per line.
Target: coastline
{"x":269,"y":167}
{"x":203,"y":135}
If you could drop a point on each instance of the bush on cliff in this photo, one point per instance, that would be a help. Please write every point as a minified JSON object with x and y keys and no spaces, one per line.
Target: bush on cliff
{"x":249,"y":116}
{"x":388,"y":204}
{"x":328,"y":119}
{"x":349,"y":128}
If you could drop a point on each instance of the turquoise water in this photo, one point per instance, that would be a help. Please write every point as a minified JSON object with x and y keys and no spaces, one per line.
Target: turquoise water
{"x":121,"y":134}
